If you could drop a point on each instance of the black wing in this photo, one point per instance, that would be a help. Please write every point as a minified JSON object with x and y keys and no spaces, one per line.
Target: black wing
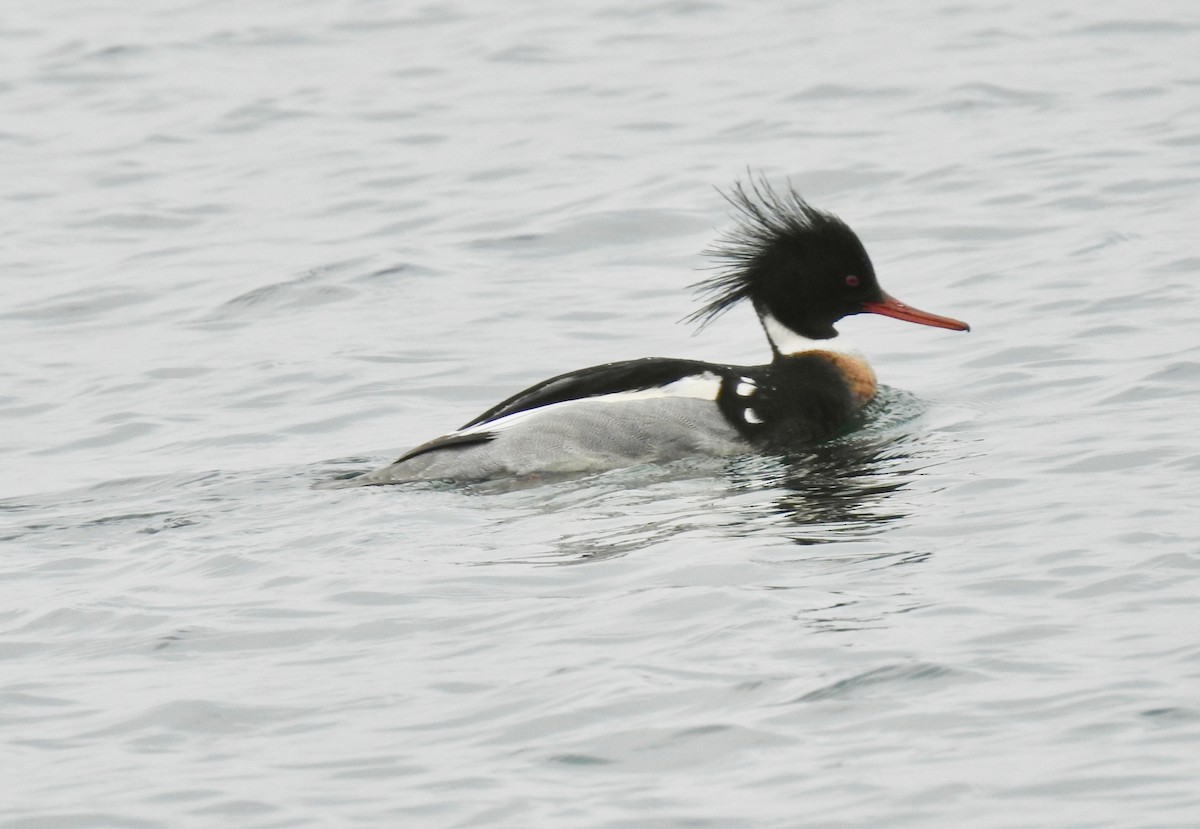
{"x":610,"y":378}
{"x":445,"y":441}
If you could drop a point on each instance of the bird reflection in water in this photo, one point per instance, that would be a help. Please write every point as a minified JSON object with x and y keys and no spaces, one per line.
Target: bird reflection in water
{"x":846,"y":488}
{"x":838,"y":491}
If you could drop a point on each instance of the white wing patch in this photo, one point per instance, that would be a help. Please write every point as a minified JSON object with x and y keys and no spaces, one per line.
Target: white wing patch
{"x":704,"y":386}
{"x":745,"y":388}
{"x":751,"y":416}
{"x":498,"y":424}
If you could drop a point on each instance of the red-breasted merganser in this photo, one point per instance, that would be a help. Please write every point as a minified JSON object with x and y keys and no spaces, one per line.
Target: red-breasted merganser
{"x":801,"y":268}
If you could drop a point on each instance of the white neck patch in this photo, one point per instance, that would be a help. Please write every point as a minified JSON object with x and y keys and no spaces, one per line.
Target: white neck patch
{"x":786,"y":341}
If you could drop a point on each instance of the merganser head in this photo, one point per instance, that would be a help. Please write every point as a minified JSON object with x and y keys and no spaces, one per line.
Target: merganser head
{"x":800,"y":267}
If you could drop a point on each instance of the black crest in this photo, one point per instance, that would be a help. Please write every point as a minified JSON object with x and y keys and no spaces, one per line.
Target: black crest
{"x":777,"y":234}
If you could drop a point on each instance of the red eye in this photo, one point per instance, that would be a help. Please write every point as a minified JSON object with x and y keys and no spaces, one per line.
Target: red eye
{"x":852,"y":281}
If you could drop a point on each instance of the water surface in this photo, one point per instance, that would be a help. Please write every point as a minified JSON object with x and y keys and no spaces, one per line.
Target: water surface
{"x":247,"y":250}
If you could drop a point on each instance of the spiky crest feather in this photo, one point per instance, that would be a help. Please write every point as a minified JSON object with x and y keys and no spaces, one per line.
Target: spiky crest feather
{"x":764,"y":217}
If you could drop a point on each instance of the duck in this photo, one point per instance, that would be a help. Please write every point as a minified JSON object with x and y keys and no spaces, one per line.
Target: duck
{"x":800,"y":268}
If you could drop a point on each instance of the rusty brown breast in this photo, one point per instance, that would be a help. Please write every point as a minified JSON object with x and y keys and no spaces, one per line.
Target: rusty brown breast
{"x":856,"y":371}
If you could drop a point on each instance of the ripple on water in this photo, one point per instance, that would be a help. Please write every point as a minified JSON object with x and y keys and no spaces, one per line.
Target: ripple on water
{"x":276,"y":236}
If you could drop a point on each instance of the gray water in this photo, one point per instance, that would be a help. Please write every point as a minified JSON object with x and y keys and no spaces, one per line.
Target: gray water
{"x":247,"y":248}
